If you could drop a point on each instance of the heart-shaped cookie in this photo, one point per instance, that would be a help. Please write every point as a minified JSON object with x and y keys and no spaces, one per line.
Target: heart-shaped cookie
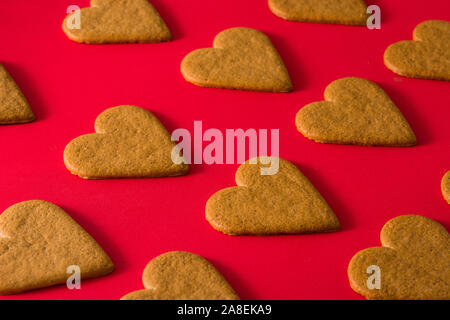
{"x":14,"y":107}
{"x":179,"y":275}
{"x":118,"y":21}
{"x":130,"y":143}
{"x":282,"y":203}
{"x":445,"y":186}
{"x":412,"y":263}
{"x":351,"y":12}
{"x":38,"y":241}
{"x":241,"y":58}
{"x":355,"y":111}
{"x":427,"y":56}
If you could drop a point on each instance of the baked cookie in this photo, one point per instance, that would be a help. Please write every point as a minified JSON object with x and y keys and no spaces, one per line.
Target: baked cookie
{"x":412,"y":262}
{"x":14,"y":107}
{"x":129,"y":142}
{"x":355,"y":111}
{"x":445,"y":186}
{"x":179,"y":275}
{"x":351,"y":12}
{"x":241,"y":58}
{"x":281,"y":203}
{"x":427,"y":56}
{"x":38,"y":241}
{"x":118,"y":21}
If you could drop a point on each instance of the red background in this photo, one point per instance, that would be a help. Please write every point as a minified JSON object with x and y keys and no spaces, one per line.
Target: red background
{"x":69,"y":84}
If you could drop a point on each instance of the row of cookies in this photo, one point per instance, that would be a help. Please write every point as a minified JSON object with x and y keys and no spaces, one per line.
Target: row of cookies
{"x":244,"y":58}
{"x":39,"y":242}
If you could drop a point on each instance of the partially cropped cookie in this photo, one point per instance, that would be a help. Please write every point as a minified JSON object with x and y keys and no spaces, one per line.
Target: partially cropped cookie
{"x":117,"y":21}
{"x":38,"y":242}
{"x":129,"y":142}
{"x":445,"y":186}
{"x":284,"y":202}
{"x":355,"y":111}
{"x":179,"y":275}
{"x":241,"y":58}
{"x":14,"y":107}
{"x":427,"y":56}
{"x":351,"y":12}
{"x":412,"y":263}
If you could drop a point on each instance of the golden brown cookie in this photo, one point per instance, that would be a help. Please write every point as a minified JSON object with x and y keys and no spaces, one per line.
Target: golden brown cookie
{"x":281,"y":203}
{"x":241,"y":58}
{"x":445,"y":186}
{"x":118,"y":21}
{"x":38,"y":241}
{"x":427,"y":56}
{"x":179,"y":275}
{"x":14,"y":107}
{"x":413,"y":262}
{"x":351,"y":12}
{"x":355,"y":111}
{"x":130,"y":143}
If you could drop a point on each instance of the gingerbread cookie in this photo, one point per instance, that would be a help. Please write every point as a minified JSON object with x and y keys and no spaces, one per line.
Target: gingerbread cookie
{"x":130,"y":143}
{"x":281,"y":203}
{"x":355,"y":111}
{"x":445,"y":186}
{"x":179,"y":275}
{"x":14,"y":107}
{"x":38,"y":242}
{"x":241,"y":58}
{"x":117,"y":21}
{"x":411,"y":264}
{"x":351,"y":12}
{"x":427,"y":56}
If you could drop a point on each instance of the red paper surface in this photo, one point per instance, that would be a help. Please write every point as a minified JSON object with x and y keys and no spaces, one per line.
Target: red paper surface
{"x":69,"y":84}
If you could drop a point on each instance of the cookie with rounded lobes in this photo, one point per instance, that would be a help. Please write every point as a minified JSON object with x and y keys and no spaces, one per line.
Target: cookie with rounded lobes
{"x":179,"y":275}
{"x":38,"y":241}
{"x":355,"y":111}
{"x":118,"y":21}
{"x":241,"y":58}
{"x":14,"y":107}
{"x":350,"y":12}
{"x":412,"y":262}
{"x":281,"y":203}
{"x":427,"y":56}
{"x":129,"y":142}
{"x":445,"y":186}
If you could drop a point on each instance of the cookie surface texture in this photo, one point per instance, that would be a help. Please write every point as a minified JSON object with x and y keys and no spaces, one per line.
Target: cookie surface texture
{"x":179,"y":275}
{"x":427,"y":56}
{"x":355,"y":111}
{"x":445,"y":186}
{"x":281,"y":203}
{"x":38,"y":242}
{"x":350,"y":12}
{"x":130,"y":143}
{"x":241,"y":58}
{"x":14,"y":107}
{"x":117,"y":21}
{"x":412,"y":262}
